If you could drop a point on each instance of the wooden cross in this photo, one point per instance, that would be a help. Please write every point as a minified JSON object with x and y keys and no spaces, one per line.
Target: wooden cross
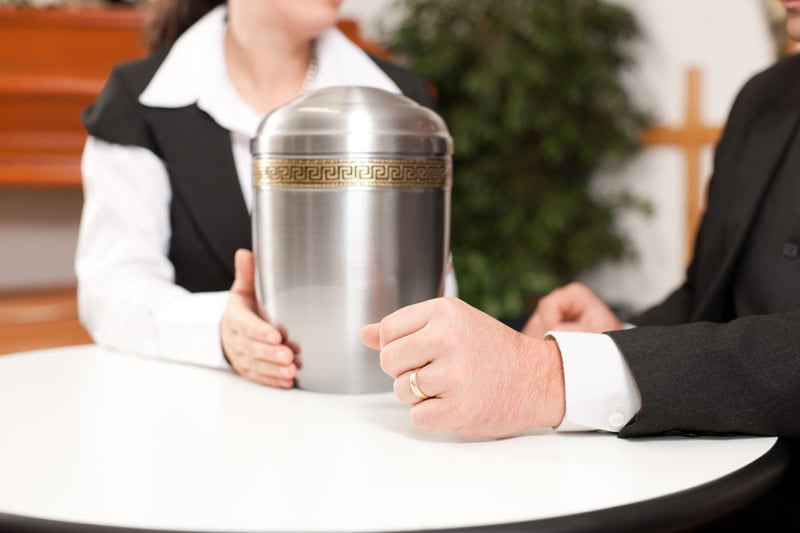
{"x":691,"y":137}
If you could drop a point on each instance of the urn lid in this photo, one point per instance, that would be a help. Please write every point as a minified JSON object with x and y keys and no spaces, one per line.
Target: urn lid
{"x":352,"y":120}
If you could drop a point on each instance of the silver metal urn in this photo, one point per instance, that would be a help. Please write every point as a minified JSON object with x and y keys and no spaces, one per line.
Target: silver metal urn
{"x":351,"y":221}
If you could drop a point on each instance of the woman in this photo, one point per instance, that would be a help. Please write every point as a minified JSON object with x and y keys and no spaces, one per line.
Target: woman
{"x":166,"y":172}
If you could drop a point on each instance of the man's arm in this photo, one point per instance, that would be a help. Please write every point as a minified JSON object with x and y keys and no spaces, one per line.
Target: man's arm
{"x":719,"y":378}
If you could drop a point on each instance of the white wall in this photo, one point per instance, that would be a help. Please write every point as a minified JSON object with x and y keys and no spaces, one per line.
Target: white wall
{"x":373,"y":15}
{"x":727,"y":39}
{"x":38,"y":233}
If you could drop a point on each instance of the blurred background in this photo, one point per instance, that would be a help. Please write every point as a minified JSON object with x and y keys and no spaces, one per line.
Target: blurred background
{"x":583,"y":133}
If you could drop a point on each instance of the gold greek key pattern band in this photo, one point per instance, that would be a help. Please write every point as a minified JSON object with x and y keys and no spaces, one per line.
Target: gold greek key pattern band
{"x":433,"y":173}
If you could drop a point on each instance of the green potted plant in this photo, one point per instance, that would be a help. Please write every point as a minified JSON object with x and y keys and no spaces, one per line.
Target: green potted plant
{"x":531,"y":93}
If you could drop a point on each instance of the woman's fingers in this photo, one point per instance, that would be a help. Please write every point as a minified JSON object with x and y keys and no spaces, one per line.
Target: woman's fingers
{"x":244,"y":277}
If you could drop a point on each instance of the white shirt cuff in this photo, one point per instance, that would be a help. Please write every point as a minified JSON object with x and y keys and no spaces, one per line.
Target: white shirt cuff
{"x":601,"y":393}
{"x":188,"y":329}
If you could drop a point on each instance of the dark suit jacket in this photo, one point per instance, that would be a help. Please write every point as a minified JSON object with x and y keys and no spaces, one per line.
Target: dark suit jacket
{"x":208,"y":213}
{"x":697,"y":370}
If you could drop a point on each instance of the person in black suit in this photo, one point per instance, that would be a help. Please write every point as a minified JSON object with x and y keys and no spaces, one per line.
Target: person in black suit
{"x":720,"y":356}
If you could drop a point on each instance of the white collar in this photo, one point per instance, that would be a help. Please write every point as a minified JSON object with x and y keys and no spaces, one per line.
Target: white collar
{"x":194,"y":72}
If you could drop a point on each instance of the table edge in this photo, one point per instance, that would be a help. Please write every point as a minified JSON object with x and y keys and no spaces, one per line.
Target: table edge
{"x":685,"y":509}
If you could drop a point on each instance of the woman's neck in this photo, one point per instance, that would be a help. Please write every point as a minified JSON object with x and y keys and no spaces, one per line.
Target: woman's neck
{"x":268,"y":69}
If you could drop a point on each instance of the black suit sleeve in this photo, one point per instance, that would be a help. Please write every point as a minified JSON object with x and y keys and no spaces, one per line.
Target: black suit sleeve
{"x":697,"y":371}
{"x":717,"y":378}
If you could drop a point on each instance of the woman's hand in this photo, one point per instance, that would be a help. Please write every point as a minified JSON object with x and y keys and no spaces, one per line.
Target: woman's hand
{"x":254,"y":348}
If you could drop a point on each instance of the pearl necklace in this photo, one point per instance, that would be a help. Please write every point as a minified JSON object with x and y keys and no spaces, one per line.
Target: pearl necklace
{"x":313,"y":67}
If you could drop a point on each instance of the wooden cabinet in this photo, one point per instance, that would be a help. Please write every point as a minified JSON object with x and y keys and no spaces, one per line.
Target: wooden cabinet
{"x":53,"y":63}
{"x":42,"y":318}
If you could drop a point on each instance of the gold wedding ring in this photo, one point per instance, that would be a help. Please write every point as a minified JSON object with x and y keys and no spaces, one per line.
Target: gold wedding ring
{"x":412,"y":381}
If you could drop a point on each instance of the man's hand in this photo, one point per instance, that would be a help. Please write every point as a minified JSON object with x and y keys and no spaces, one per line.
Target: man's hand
{"x":481,"y":377}
{"x":573,"y":307}
{"x":254,"y":348}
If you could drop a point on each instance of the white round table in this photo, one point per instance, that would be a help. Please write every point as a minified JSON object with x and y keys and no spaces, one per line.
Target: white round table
{"x":99,"y":438}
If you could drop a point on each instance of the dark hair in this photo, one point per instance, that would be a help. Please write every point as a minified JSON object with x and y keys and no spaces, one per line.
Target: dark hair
{"x":168,"y":19}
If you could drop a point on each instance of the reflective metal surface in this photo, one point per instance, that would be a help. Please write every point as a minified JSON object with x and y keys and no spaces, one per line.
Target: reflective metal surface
{"x":344,"y":238}
{"x":353,"y":120}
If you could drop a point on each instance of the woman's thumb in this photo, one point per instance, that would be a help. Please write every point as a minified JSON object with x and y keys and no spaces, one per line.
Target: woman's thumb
{"x":244,"y":265}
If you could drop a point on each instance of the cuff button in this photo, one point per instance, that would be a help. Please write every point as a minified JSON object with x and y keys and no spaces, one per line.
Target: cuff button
{"x":616,"y":420}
